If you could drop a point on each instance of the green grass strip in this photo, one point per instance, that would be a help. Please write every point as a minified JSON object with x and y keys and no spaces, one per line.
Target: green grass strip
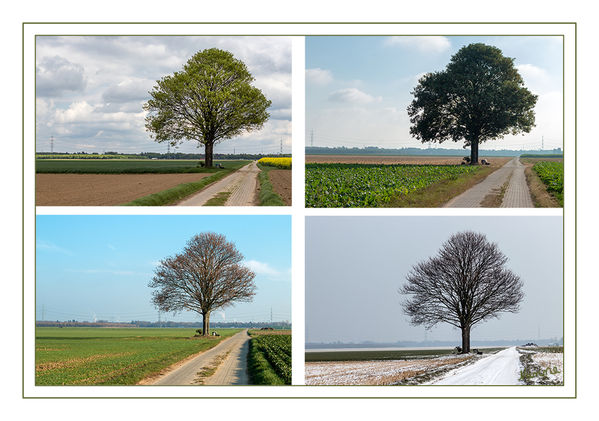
{"x":172,"y":195}
{"x":267,"y":196}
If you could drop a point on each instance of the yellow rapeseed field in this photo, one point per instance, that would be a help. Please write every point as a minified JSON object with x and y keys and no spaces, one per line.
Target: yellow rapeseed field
{"x":284,"y":163}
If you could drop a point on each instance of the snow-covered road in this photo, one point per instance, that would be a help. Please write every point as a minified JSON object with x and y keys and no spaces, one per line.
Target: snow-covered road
{"x":502,"y":368}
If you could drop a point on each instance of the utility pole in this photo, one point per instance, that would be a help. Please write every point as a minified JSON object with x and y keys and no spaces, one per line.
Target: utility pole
{"x":281,"y":149}
{"x":168,"y":148}
{"x":271,"y":315}
{"x":542,"y":143}
{"x":312,"y":138}
{"x":52,"y":144}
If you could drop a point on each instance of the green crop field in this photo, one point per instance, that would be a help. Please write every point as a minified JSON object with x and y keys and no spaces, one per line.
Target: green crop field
{"x":269,"y":359}
{"x":366,"y":185}
{"x":128,"y":166}
{"x":552,"y":175}
{"x":112,"y":356}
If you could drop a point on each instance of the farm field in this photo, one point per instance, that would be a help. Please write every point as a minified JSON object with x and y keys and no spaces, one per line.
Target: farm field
{"x":127,"y":166}
{"x":112,"y":356}
{"x":378,"y":366}
{"x":545,"y":177}
{"x":103,"y":189}
{"x":269,"y":359}
{"x":275,"y":181}
{"x":116,"y":182}
{"x":281,"y":184}
{"x":514,"y":365}
{"x":367,"y":185}
{"x":390,"y":181}
{"x":385,"y":159}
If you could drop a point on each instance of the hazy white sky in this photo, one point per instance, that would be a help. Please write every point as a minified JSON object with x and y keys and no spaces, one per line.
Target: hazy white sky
{"x":90,"y":90}
{"x":358,"y":88}
{"x":356,"y":265}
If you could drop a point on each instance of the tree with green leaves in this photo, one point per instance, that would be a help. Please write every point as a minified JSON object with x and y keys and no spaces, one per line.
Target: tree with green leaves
{"x":478,"y":97}
{"x":212,"y":99}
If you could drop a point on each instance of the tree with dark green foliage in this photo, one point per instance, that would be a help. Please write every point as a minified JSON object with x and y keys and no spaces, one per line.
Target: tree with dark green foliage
{"x":212,"y":99}
{"x":478,"y":97}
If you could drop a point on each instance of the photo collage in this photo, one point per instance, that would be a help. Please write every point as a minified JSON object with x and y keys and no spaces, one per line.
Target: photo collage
{"x":369,"y":205}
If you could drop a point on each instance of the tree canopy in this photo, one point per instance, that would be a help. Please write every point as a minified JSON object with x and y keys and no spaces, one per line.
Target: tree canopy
{"x":479,"y":96}
{"x":466,"y":283}
{"x":212,"y":99}
{"x":205,"y":277}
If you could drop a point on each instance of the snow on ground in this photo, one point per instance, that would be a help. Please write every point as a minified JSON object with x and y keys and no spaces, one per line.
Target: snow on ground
{"x":502,"y":368}
{"x":373,"y":372}
{"x":552,"y":365}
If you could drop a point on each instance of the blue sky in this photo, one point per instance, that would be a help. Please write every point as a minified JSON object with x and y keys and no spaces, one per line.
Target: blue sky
{"x":358,"y":87}
{"x":90,"y":90}
{"x":90,"y":265}
{"x":356,"y":265}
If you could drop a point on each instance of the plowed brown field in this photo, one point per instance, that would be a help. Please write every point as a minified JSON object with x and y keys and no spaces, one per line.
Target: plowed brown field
{"x":103,"y":189}
{"x":281,"y":184}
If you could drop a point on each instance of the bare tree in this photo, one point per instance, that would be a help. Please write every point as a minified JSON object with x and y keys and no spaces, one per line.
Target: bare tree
{"x":466,"y":283}
{"x":206,"y":276}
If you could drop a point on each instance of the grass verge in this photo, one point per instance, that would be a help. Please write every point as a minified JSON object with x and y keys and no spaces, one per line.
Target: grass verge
{"x":219,"y":200}
{"x":173,"y":195}
{"x":267,"y":196}
{"x":495,"y":198}
{"x":436,"y":195}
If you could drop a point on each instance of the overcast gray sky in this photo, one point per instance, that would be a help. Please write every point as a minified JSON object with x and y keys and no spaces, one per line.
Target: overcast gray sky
{"x":90,"y":90}
{"x":355,"y":266}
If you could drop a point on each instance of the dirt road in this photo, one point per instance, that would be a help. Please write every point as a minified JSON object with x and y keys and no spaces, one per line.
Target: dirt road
{"x":229,"y":358}
{"x":516,"y":194}
{"x":241,"y":185}
{"x":502,"y":368}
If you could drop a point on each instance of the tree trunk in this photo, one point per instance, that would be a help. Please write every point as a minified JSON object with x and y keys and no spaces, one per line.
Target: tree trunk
{"x":466,"y":340}
{"x":208,"y":159}
{"x":474,"y":152}
{"x":206,"y":324}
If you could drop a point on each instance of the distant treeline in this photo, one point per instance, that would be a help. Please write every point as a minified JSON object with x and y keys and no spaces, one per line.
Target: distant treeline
{"x":149,"y":155}
{"x":373,"y":150}
{"x":545,"y":155}
{"x":429,"y":344}
{"x":166,"y":324}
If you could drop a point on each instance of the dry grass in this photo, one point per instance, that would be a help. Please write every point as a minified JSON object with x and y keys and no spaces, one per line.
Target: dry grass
{"x":495,"y":198}
{"x":210,"y":369}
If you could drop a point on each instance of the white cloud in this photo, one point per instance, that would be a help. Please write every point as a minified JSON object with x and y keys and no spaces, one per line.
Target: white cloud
{"x":261,"y":268}
{"x":535,"y":78}
{"x":57,"y":75}
{"x":51,"y":247}
{"x":423,"y":44}
{"x":318,"y":76}
{"x":353,"y":95}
